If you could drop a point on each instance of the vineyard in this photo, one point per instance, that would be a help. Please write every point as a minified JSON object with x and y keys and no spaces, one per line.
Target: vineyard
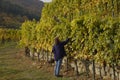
{"x":92,"y":25}
{"x":7,"y":35}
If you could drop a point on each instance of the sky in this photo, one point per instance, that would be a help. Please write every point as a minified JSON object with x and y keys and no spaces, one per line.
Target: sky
{"x":46,"y":0}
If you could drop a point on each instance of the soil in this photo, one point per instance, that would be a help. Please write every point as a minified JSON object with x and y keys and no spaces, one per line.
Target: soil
{"x":49,"y":68}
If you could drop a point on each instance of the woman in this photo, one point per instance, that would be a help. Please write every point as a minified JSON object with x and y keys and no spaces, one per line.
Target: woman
{"x":59,"y":53}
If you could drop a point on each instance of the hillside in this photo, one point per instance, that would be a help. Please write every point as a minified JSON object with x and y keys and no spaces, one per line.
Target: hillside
{"x":33,"y":6}
{"x":15,"y":12}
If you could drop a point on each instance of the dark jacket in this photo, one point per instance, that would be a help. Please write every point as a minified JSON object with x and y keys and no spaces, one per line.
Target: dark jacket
{"x":59,"y":51}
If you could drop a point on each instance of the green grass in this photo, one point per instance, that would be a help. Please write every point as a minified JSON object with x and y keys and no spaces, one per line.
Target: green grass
{"x":14,"y":67}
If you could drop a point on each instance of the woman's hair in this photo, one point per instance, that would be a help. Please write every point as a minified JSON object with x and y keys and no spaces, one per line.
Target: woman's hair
{"x":57,"y":41}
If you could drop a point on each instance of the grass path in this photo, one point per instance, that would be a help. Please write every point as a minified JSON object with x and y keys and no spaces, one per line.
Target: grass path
{"x":13,"y":66}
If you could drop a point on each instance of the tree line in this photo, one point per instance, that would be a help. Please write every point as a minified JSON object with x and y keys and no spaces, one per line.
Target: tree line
{"x":13,"y":15}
